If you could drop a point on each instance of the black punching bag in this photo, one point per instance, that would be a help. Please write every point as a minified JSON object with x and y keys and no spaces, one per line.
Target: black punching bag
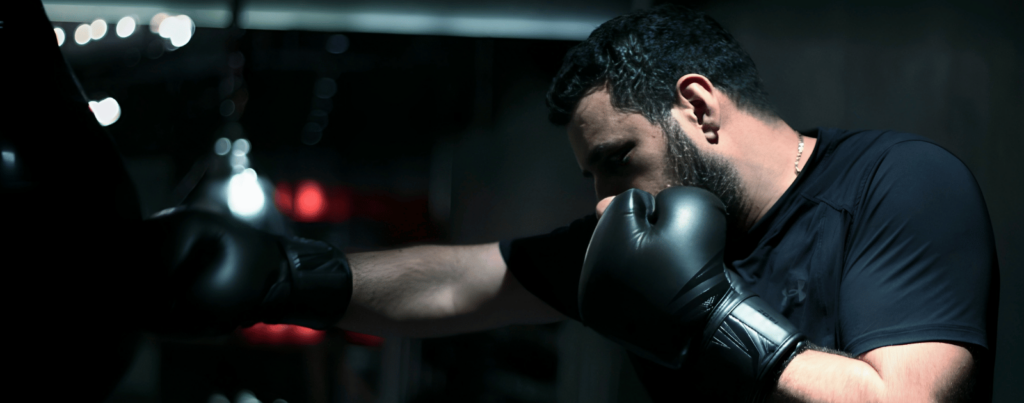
{"x":67,"y":213}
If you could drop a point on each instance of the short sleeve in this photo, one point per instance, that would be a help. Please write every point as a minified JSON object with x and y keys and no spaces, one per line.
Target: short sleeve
{"x":920,"y":261}
{"x":549,"y":265}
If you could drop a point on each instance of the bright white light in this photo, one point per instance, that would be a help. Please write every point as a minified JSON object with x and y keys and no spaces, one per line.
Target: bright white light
{"x":246,"y":396}
{"x":125,"y":27}
{"x":241,"y":147}
{"x":222,"y":146}
{"x":82,"y":34}
{"x":107,"y":111}
{"x":98,"y":29}
{"x":185,"y":30}
{"x":245,"y":196}
{"x":154,"y":23}
{"x":8,"y":158}
{"x":178,"y":29}
{"x":60,"y":36}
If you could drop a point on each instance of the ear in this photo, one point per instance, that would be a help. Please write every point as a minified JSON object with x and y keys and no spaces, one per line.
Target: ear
{"x":696,"y":96}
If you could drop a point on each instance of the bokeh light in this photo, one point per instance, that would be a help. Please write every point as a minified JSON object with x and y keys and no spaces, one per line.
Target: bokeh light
{"x":218,"y":398}
{"x":227,"y":108}
{"x":9,"y":159}
{"x":283,"y":197}
{"x":310,"y":201}
{"x":98,"y":29}
{"x":154,"y":23}
{"x":311,"y":133}
{"x":239,"y":163}
{"x":325,"y":88}
{"x":337,"y":44}
{"x":106,"y":111}
{"x":178,"y":29}
{"x":245,"y":396}
{"x":82,"y":34}
{"x":241,"y":147}
{"x":222,"y":146}
{"x":125,"y":27}
{"x":245,"y":196}
{"x":60,"y":36}
{"x":362,"y":339}
{"x":282,"y":334}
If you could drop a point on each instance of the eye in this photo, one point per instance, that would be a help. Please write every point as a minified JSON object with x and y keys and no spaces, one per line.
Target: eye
{"x":621,"y":157}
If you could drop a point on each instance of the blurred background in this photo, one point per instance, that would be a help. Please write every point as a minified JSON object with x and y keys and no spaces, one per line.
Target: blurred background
{"x":376,"y":124}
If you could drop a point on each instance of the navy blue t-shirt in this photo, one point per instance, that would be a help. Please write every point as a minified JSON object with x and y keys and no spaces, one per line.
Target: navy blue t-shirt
{"x":883,"y":239}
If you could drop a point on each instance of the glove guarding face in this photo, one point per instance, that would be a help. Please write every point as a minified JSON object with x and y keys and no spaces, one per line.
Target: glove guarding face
{"x":652,"y":275}
{"x":654,"y":280}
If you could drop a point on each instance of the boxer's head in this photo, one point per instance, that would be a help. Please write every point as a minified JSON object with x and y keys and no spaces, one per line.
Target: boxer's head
{"x":642,"y":98}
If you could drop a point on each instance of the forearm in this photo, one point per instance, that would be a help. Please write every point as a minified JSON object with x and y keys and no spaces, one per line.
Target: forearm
{"x":918,"y":372}
{"x":816,"y":376}
{"x":429,"y":291}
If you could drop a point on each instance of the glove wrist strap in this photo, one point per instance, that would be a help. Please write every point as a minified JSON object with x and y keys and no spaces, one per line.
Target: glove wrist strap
{"x":745,"y":347}
{"x":312,"y":289}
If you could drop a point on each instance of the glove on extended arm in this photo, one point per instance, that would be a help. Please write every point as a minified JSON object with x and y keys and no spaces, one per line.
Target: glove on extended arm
{"x":216,"y":273}
{"x":654,"y":280}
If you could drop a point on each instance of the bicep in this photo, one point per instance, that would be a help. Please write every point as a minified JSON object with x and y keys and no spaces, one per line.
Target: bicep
{"x":929,"y":371}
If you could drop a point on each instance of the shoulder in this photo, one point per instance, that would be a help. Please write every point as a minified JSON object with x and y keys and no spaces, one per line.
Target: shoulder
{"x":857,"y":164}
{"x":863,"y":149}
{"x":919,"y":170}
{"x":914,"y":198}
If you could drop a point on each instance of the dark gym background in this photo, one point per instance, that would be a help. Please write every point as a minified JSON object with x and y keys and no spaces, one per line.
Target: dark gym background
{"x":422,"y":129}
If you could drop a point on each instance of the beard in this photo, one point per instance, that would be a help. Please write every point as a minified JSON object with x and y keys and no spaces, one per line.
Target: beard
{"x":689,"y":166}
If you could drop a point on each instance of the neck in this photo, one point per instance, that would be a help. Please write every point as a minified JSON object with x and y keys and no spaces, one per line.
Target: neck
{"x":764,"y":158}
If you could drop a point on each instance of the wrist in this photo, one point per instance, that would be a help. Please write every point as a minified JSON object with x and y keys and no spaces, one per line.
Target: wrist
{"x":799,"y":349}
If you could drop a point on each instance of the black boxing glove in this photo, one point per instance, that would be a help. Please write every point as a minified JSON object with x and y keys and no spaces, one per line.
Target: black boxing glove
{"x":215,"y":273}
{"x":654,"y":280}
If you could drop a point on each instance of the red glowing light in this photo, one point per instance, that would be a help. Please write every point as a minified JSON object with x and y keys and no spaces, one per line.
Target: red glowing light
{"x":340,"y":209}
{"x":310,"y":202}
{"x":283,"y":196}
{"x":262,"y":333}
{"x":363,"y":339}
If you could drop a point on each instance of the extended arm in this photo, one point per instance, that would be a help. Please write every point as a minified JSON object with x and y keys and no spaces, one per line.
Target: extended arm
{"x":213,"y":274}
{"x":430,"y":291}
{"x":918,"y":372}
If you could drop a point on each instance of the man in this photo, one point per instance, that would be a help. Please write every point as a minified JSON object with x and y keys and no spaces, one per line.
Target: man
{"x":877,"y":246}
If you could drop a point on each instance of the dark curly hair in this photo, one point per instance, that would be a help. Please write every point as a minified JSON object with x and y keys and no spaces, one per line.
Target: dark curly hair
{"x":640,"y":56}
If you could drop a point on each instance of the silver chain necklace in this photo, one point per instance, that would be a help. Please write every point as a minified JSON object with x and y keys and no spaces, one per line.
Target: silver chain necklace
{"x":799,"y":153}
